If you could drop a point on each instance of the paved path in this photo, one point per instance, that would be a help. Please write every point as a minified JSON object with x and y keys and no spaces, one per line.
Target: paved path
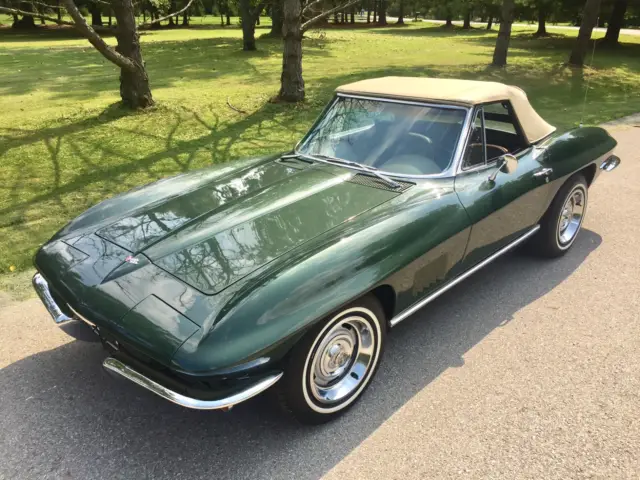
{"x":530,"y":369}
{"x":624,"y":31}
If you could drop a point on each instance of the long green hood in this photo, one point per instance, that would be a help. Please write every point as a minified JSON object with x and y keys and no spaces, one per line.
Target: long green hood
{"x":214,"y":235}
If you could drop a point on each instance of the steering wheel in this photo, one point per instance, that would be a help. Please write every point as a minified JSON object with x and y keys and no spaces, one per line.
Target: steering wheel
{"x":489,"y":145}
{"x":428,"y":144}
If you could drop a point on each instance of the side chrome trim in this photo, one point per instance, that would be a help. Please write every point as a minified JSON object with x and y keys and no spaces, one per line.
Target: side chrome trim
{"x":119,"y":368}
{"x":417,"y":306}
{"x":42,"y":289}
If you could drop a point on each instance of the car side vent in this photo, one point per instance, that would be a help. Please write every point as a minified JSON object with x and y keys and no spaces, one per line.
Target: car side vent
{"x":375,"y":182}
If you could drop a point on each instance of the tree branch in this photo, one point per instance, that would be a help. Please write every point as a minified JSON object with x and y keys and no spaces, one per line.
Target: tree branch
{"x":309,"y":5}
{"x":166,"y":17}
{"x":257,"y":10}
{"x":96,"y":40}
{"x":309,"y":23}
{"x":17,"y":11}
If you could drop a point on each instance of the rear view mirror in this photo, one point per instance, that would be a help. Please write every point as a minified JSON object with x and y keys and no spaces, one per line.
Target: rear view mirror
{"x":507,"y":163}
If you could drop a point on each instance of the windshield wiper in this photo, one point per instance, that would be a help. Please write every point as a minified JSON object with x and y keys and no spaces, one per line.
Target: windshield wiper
{"x":366,"y":168}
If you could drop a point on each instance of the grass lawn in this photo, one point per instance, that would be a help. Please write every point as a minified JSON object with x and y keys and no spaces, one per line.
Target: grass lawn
{"x":65,"y":144}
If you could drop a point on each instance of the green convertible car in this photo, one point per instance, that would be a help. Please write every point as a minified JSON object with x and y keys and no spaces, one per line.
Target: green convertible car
{"x":288,"y":271}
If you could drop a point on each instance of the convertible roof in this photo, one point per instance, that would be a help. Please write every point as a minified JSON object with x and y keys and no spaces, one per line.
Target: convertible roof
{"x":458,"y":92}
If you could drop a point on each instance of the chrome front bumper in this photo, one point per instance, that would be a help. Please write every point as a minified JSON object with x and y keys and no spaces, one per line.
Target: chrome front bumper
{"x":42,"y":289}
{"x":116,"y":366}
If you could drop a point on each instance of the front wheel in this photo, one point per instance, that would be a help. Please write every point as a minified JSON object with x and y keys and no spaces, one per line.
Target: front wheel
{"x":333,"y":364}
{"x":562,"y":222}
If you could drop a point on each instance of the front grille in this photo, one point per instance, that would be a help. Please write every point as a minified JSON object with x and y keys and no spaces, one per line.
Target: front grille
{"x":375,"y":182}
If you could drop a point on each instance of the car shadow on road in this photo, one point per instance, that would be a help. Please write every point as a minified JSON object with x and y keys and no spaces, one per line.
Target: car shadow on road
{"x":63,"y":416}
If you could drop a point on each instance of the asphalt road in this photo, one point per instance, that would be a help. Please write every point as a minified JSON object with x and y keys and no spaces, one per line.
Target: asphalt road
{"x":530,"y":369}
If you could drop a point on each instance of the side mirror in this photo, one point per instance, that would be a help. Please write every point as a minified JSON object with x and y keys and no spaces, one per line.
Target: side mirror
{"x":507,"y":163}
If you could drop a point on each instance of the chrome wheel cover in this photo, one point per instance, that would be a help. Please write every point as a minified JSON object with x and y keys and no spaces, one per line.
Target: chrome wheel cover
{"x":571,"y":216}
{"x":342,"y":360}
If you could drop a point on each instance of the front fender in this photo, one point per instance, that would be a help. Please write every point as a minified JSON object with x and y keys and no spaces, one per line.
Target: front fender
{"x":265,"y":315}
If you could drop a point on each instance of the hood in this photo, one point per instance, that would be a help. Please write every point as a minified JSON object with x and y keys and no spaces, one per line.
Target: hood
{"x":214,"y":235}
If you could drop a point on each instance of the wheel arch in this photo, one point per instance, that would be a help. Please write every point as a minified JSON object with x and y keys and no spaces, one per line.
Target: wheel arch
{"x":589,"y":173}
{"x":386,"y":295}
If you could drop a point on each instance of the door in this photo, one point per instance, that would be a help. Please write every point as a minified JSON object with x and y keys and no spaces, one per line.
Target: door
{"x":501,"y":206}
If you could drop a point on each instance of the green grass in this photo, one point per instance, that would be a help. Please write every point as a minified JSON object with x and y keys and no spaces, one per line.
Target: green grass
{"x":65,"y":144}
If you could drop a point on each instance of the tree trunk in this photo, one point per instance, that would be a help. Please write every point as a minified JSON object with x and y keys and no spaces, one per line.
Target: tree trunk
{"x":258,"y":19}
{"x":228,"y":19}
{"x":27,"y":20}
{"x":375,"y":11}
{"x":382,"y":13}
{"x":400,"y":13}
{"x":276,"y":19}
{"x":589,"y":19}
{"x":291,"y":81}
{"x":369,"y":14}
{"x":134,"y":84}
{"x":490,"y":22}
{"x":248,"y":26}
{"x":616,"y":22}
{"x":96,"y":15}
{"x":353,"y":15}
{"x":467,"y":20}
{"x":449,"y":22}
{"x":504,"y":35}
{"x":185,"y":19}
{"x":542,"y":20}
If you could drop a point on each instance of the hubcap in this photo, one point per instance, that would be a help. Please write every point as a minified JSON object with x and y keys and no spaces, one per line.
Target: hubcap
{"x":571,"y":216}
{"x":342,"y":360}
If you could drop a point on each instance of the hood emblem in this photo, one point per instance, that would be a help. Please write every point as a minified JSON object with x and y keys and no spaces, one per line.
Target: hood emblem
{"x":132,"y":259}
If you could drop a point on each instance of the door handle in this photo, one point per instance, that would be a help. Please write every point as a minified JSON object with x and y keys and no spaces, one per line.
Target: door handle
{"x":543,"y":172}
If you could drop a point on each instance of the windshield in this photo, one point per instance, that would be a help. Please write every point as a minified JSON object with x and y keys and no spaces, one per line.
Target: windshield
{"x":393,"y":137}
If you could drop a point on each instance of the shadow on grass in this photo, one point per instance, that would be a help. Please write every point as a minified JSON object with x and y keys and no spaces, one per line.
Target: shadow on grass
{"x":189,"y":60}
{"x":436,"y":31}
{"x":117,"y":430}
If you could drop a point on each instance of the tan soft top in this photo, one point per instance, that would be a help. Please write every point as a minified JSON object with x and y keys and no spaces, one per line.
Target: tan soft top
{"x":459,"y":92}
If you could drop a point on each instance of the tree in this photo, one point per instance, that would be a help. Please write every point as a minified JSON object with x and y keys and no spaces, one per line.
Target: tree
{"x":616,"y":22}
{"x":127,"y":55}
{"x":249,"y":12}
{"x":382,"y":13}
{"x":467,"y":17}
{"x":542,"y":18}
{"x":291,"y":81}
{"x":400,"y":13}
{"x":589,"y":20}
{"x":504,"y":35}
{"x":276,"y":19}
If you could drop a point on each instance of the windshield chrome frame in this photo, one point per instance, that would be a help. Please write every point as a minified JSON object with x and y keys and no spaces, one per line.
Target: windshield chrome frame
{"x":450,"y":171}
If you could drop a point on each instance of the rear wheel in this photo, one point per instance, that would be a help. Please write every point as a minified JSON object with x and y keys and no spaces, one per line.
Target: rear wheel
{"x":333,"y":364}
{"x":562,"y":222}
